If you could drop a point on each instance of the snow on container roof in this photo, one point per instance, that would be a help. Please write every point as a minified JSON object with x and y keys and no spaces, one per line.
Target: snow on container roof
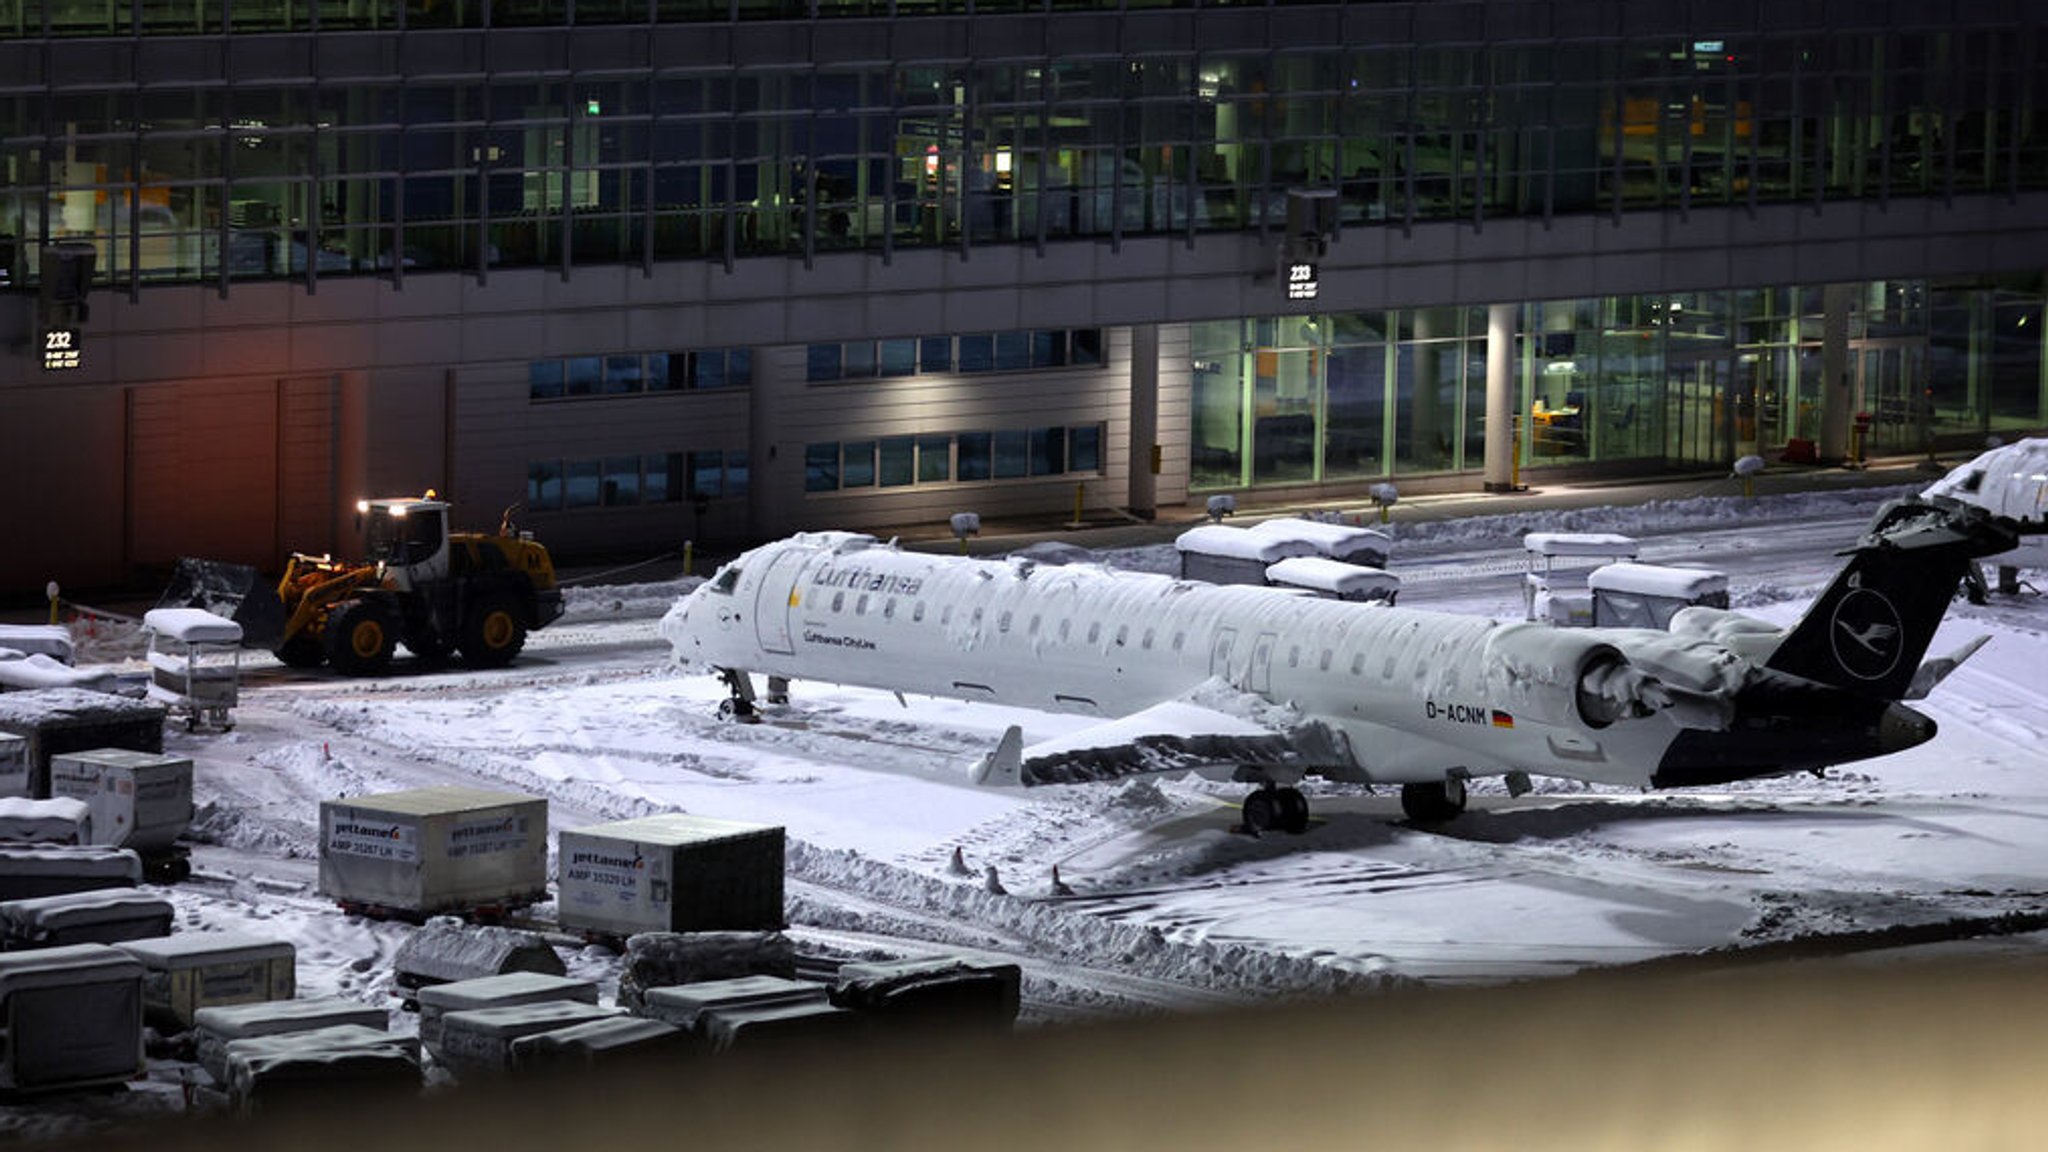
{"x":1242,"y":544}
{"x":119,"y":864}
{"x":61,"y":818}
{"x":192,"y":625}
{"x":1579,"y":544}
{"x":434,"y":801}
{"x":448,"y":949}
{"x":39,"y":671}
{"x":682,"y":1004}
{"x":197,"y":949}
{"x":2010,"y":481}
{"x":1657,"y":580}
{"x":1331,"y":537}
{"x":495,"y":990}
{"x":71,"y":909}
{"x":60,"y":967}
{"x":52,"y":640}
{"x":1327,"y":575}
{"x":676,"y":828}
{"x":266,"y":1017}
{"x":46,"y":704}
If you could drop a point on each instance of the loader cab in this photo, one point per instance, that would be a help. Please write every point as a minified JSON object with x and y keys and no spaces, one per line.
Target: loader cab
{"x":409,"y":538}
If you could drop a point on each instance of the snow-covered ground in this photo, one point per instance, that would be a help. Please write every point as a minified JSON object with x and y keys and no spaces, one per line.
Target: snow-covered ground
{"x":1169,"y":908}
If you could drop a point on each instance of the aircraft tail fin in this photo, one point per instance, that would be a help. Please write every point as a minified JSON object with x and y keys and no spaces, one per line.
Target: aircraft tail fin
{"x":1869,"y":630}
{"x":1003,"y":766}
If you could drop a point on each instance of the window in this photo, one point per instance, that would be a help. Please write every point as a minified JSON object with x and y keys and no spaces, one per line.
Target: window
{"x":838,"y":601}
{"x":1048,"y":447}
{"x":737,"y":477}
{"x":1084,"y":448}
{"x":821,"y":363}
{"x":1013,"y":454}
{"x":664,"y":473}
{"x":857,"y":464}
{"x":898,"y":357}
{"x":1146,"y":644}
{"x":1048,"y":349}
{"x":621,"y":481}
{"x":544,"y":486}
{"x":707,"y":475}
{"x":1123,"y":634}
{"x":934,"y":459}
{"x":898,"y":461}
{"x":621,"y":375}
{"x":1086,"y":346}
{"x":857,"y":361}
{"x":544,"y":380}
{"x":1013,"y":351}
{"x":975,"y":456}
{"x":935,"y":354}
{"x":917,"y":612}
{"x":1003,"y":621}
{"x":821,"y":467}
{"x":977,"y":353}
{"x":860,"y":606}
{"x":585,"y":484}
{"x":585,"y":374}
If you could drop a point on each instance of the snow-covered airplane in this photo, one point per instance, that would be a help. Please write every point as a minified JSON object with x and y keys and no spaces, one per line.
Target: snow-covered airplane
{"x":1266,"y":686}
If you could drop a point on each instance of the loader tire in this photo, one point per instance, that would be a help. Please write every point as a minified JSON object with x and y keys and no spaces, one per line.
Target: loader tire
{"x":302,"y":651}
{"x":493,"y":634}
{"x":360,"y":639}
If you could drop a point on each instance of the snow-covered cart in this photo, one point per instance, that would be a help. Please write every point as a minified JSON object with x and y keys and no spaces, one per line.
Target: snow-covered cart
{"x":195,"y":664}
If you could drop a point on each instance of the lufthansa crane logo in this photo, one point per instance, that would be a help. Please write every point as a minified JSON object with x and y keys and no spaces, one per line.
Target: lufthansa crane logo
{"x":1867,"y":634}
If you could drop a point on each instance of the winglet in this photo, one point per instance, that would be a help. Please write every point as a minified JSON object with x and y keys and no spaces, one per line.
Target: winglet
{"x":1936,"y":670}
{"x":1003,"y":767}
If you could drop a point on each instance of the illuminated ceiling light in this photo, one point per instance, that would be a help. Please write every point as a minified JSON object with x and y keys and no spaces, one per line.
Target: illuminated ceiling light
{"x":1003,"y":161}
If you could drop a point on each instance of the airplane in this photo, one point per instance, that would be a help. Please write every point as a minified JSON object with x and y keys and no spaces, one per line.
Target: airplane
{"x":1267,"y":686}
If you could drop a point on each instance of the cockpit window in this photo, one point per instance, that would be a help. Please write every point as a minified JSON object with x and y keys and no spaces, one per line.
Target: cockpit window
{"x":728,"y":579}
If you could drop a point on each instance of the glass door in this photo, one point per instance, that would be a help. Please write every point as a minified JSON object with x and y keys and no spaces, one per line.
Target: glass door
{"x":1892,"y":381}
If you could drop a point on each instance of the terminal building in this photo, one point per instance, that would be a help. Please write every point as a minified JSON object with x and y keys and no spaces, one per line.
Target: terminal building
{"x":642,"y":271}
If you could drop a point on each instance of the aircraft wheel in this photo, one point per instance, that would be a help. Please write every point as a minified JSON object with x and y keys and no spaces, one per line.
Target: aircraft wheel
{"x":1433,"y":802}
{"x":360,"y":639}
{"x":1261,"y":811}
{"x":735,"y":709}
{"x":1293,"y":810}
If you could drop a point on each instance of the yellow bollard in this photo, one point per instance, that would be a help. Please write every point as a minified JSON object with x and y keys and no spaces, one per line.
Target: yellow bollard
{"x":689,"y":557}
{"x":1748,"y":487}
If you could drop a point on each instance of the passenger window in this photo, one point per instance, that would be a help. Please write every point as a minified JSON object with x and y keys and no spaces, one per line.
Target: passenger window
{"x":975,"y":620}
{"x":1034,"y":626}
{"x":889,"y":608}
{"x":1358,"y":664}
{"x":946,"y":617}
{"x":1387,"y":669}
{"x":1094,"y":631}
{"x":1294,"y":656}
{"x":1179,"y":638}
{"x":1323,"y":665}
{"x":838,"y":601}
{"x":860,"y":606}
{"x":917,"y":612}
{"x":1123,"y":634}
{"x":1065,"y":625}
{"x":1147,"y":644}
{"x":1003,"y":621}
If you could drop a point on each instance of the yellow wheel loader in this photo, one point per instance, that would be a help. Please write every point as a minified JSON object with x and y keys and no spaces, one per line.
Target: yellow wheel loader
{"x":436,"y":592}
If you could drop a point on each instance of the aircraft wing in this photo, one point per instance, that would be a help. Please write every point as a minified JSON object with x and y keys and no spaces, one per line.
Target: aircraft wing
{"x":1171,"y":737}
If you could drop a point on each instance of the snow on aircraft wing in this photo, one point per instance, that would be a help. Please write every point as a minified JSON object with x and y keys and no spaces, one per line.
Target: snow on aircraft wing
{"x":1174,"y":736}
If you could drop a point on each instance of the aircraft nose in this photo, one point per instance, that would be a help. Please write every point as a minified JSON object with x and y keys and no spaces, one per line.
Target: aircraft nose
{"x":1900,"y":728}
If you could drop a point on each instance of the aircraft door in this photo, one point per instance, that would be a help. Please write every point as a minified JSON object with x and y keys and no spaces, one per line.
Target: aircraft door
{"x":776,"y":601}
{"x":1260,"y":678}
{"x":1219,"y":654}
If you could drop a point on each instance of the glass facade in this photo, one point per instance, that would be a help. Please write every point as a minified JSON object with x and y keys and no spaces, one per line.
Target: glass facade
{"x":201,"y":179}
{"x":1696,"y":378}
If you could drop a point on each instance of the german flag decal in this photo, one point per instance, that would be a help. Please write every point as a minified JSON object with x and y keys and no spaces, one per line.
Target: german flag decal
{"x":1502,"y":719}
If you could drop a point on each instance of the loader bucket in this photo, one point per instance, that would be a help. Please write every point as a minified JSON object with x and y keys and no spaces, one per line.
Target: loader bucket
{"x":236,"y":591}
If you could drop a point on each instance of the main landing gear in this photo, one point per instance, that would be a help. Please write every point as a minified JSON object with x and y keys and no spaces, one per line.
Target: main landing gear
{"x":1433,"y":801}
{"x":1276,"y":809}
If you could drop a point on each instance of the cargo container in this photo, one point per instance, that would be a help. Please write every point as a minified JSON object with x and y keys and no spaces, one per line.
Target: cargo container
{"x":495,"y":992}
{"x":72,"y":1018}
{"x":194,"y":664}
{"x":480,"y":1039}
{"x":60,"y":821}
{"x":1334,"y":579}
{"x":1220,"y":554}
{"x":28,"y":870}
{"x":106,"y":916}
{"x":433,"y":850}
{"x":139,"y":800}
{"x":270,"y":1073}
{"x":1341,"y":542}
{"x":445,"y":949}
{"x":604,"y":1043}
{"x":14,"y":775}
{"x":758,"y":1026}
{"x":53,"y":721}
{"x":193,"y":970}
{"x":684,"y":1005}
{"x":216,"y":1028}
{"x":671,"y":872}
{"x":944,"y":992}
